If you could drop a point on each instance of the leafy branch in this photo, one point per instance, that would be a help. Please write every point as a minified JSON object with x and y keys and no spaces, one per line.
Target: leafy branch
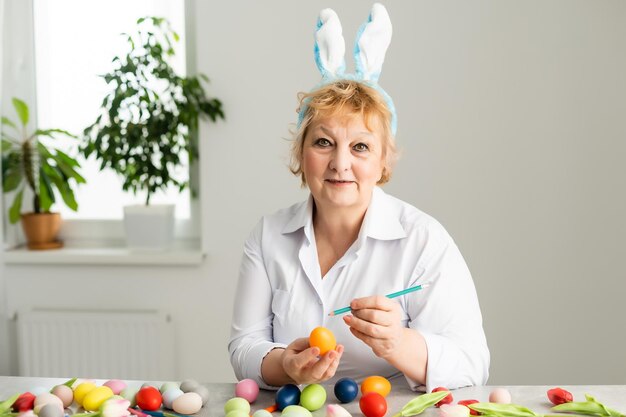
{"x":27,"y":162}
{"x":150,"y":115}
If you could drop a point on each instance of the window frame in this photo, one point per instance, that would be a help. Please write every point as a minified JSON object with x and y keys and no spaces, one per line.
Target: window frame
{"x":19,"y":69}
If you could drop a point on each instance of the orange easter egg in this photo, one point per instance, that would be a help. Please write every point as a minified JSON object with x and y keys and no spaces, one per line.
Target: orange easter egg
{"x":323,"y":338}
{"x":377,"y":384}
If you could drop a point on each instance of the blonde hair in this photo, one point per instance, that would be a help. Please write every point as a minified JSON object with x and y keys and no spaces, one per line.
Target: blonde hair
{"x":346,"y":98}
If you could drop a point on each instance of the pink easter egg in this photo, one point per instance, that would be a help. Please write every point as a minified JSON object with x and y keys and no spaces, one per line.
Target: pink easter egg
{"x":500,"y":396}
{"x":247,"y":389}
{"x":116,"y":385}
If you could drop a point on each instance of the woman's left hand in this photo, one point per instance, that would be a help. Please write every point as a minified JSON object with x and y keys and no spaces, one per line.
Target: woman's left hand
{"x":377,"y":321}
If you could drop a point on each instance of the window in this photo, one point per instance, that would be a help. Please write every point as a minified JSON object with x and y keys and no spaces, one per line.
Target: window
{"x":75,"y":41}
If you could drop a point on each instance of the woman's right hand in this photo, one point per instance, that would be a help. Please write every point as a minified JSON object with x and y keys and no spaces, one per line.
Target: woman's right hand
{"x":303,"y":364}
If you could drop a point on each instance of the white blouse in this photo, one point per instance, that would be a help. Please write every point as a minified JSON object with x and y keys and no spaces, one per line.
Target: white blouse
{"x":281,"y":295}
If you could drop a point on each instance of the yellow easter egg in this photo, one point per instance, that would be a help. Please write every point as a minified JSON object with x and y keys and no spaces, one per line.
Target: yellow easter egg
{"x":82,"y":390}
{"x":94,"y":398}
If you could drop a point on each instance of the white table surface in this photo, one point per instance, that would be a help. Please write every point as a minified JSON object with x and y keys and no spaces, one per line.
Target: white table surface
{"x":533,"y":397}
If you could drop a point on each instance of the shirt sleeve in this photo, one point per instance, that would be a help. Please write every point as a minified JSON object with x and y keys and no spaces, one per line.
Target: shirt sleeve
{"x":251,"y":337}
{"x":447,"y":315}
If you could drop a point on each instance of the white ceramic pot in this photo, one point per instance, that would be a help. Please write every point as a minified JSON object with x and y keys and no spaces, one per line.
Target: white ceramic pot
{"x":149,"y":227}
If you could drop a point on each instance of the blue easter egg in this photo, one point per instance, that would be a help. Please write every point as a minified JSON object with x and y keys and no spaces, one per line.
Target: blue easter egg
{"x":346,"y":390}
{"x":287,"y":395}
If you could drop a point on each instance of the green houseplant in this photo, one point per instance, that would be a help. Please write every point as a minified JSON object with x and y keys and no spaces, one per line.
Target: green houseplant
{"x":148,"y":121}
{"x":30,"y":166}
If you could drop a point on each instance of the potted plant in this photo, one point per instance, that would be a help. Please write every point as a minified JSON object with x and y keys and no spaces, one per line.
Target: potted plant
{"x":146,"y":126}
{"x":32,"y":167}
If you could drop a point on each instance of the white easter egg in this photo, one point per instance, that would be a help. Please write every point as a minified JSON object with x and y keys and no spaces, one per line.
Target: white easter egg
{"x":188,"y":403}
{"x":170,"y":395}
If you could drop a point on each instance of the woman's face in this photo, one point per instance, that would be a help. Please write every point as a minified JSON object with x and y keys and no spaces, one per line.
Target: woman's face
{"x":342,"y":161}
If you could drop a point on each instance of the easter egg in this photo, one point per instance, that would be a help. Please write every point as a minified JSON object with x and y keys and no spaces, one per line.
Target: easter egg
{"x":116,"y":385}
{"x":237,"y":413}
{"x":295,"y":411}
{"x":237,"y":404}
{"x":81,"y":390}
{"x":129,"y":394}
{"x":248,"y":389}
{"x":188,"y":403}
{"x":24,"y":402}
{"x":189,"y":385}
{"x":468,"y":402}
{"x":451,"y":410}
{"x":39,"y":390}
{"x":262,"y":413}
{"x":322,"y":338}
{"x":51,"y":410}
{"x":336,"y":410}
{"x":446,"y":400}
{"x":313,"y":397}
{"x":65,"y":393}
{"x":167,"y":385}
{"x":203,"y":392}
{"x":45,"y":399}
{"x":346,"y":390}
{"x":149,"y":398}
{"x":372,"y":404}
{"x":287,"y":395}
{"x":94,"y":398}
{"x":376,"y":384}
{"x":500,"y":396}
{"x":170,"y":395}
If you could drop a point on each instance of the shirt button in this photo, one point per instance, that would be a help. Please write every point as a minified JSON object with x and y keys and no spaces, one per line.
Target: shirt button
{"x":319,"y":302}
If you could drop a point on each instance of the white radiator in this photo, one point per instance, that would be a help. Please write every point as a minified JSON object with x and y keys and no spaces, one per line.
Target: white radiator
{"x":96,"y":344}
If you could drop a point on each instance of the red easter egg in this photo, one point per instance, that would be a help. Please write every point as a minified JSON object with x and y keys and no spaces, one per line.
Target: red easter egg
{"x":373,"y":404}
{"x":149,"y":398}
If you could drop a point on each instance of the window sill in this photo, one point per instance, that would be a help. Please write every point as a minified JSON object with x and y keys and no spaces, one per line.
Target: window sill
{"x":106,"y":253}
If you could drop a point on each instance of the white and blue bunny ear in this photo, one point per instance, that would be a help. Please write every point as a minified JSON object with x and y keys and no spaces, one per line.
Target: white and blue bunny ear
{"x":330,"y":47}
{"x":372,"y":41}
{"x":371,"y":44}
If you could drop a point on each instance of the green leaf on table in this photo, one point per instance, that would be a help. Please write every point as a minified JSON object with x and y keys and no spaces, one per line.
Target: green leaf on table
{"x":419,"y":404}
{"x":502,"y":410}
{"x":6,"y":404}
{"x":590,"y":407}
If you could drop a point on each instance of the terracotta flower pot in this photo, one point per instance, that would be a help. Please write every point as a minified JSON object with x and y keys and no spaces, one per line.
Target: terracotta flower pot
{"x":41,"y":230}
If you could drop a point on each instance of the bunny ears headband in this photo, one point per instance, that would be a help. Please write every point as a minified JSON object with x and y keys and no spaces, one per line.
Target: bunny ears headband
{"x":372,"y":41}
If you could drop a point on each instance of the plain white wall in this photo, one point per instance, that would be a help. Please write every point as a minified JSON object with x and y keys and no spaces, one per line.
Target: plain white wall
{"x":511,"y":122}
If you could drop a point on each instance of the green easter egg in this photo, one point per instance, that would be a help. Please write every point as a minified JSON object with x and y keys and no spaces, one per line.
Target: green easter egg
{"x":237,"y":403}
{"x":296,"y":411}
{"x":313,"y":397}
{"x":129,"y":394}
{"x":167,"y":385}
{"x":237,"y":413}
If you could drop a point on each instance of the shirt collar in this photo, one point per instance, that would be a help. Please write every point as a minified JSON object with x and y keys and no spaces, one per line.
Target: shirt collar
{"x":302,"y":218}
{"x":381,"y":221}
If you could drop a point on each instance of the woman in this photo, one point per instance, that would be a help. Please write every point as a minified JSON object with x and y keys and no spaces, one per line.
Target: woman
{"x":349,"y":244}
